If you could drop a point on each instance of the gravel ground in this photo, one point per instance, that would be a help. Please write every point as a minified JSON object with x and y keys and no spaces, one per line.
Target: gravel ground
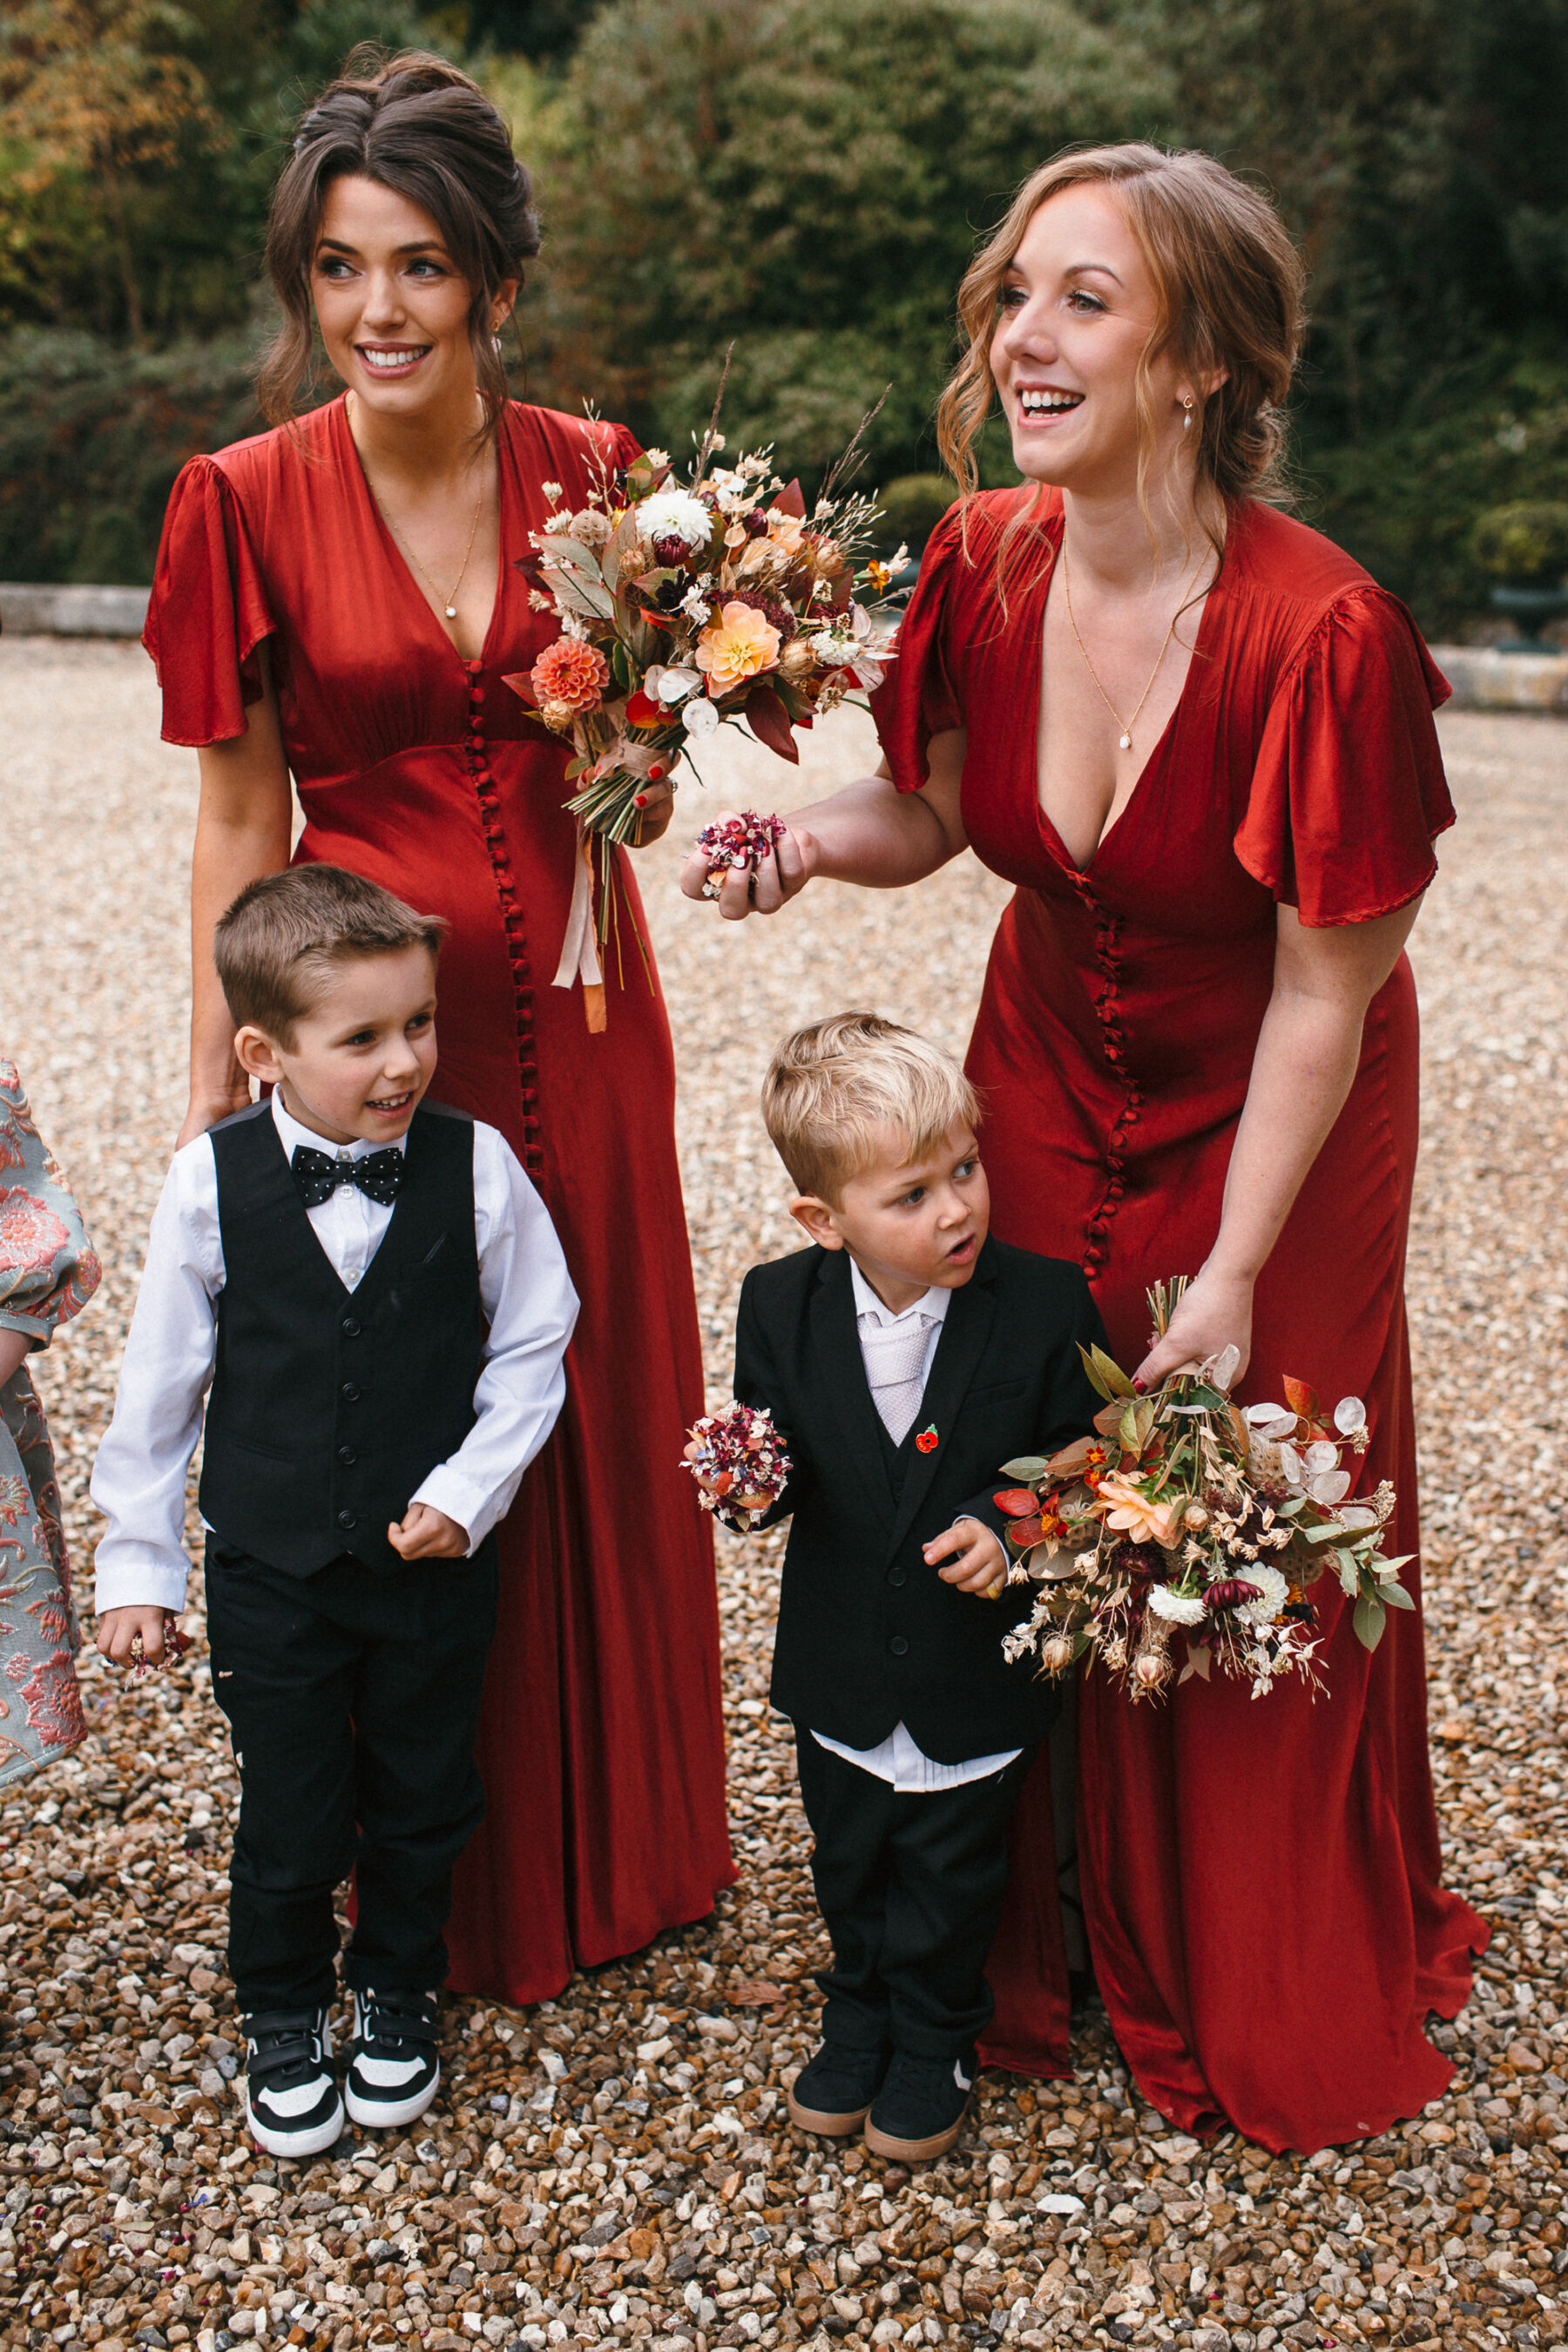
{"x":614,"y":2164}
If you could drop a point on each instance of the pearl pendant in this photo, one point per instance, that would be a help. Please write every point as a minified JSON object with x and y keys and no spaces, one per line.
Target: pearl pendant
{"x":452,"y":614}
{"x":1127,"y":742}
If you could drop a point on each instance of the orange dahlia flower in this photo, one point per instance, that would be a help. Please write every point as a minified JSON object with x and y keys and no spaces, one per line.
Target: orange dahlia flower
{"x":570,"y":673}
{"x":741,"y":644}
{"x":1136,"y":1514}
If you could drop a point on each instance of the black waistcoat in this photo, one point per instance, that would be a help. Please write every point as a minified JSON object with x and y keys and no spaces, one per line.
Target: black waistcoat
{"x":329,"y":1407}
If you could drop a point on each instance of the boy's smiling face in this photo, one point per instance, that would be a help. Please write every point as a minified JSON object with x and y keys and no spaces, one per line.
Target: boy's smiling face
{"x":361,"y":1058}
{"x":910,"y":1224}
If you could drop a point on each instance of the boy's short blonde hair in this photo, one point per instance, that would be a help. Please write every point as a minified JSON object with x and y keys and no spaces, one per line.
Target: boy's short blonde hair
{"x":828,"y":1087}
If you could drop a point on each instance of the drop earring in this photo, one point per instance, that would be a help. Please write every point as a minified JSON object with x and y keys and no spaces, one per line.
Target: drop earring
{"x":1187,"y":419}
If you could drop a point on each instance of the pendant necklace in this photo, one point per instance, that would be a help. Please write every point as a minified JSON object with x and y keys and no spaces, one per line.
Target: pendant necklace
{"x":1124,"y":726}
{"x":450,"y":601}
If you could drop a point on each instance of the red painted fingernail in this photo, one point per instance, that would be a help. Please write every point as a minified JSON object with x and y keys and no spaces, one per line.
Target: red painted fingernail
{"x":639,"y":799}
{"x":1137,"y":1388}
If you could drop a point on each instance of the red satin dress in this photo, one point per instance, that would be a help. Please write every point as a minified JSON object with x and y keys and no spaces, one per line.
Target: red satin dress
{"x":602,"y":1741}
{"x":1260,"y":1878}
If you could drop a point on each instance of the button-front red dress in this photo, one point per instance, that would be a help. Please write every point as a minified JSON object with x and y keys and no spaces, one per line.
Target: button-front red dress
{"x":1262,"y":1878}
{"x":602,"y":1741}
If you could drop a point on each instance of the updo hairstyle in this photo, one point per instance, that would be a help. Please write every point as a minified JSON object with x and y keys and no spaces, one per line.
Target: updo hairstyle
{"x":415,"y":124}
{"x":1229,"y":287}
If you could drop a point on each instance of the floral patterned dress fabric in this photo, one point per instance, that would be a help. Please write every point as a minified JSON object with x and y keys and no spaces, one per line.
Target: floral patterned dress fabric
{"x":47,"y":1274}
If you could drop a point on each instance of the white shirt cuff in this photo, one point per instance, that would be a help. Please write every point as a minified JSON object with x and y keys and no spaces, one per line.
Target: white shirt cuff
{"x":137,"y":1576}
{"x":475,"y":1508}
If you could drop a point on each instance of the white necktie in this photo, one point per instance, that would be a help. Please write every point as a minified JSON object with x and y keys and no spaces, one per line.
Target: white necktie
{"x":894,"y":1356}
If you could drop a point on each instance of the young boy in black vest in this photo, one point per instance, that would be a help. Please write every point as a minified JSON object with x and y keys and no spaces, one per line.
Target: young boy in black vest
{"x":377,"y":1297}
{"x":904,"y":1358}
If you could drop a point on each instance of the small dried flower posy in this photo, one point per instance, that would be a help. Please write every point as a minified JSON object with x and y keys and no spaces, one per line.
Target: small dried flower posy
{"x":1187,"y":1515}
{"x":176,"y":1642}
{"x":739,"y":1461}
{"x":738,"y":844}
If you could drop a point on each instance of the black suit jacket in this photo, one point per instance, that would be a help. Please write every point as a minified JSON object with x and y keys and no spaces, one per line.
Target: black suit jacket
{"x":868,"y":1635}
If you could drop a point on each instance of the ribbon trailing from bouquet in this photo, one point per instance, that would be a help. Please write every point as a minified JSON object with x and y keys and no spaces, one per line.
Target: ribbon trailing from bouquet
{"x":579,"y":950}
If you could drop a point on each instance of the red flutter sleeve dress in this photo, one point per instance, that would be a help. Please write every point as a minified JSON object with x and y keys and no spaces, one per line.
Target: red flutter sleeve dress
{"x":1260,"y":1879}
{"x":602,"y":1741}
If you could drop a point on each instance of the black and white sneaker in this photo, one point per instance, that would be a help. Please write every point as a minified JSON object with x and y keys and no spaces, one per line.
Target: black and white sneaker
{"x":291,"y":2099}
{"x":919,"y":2112}
{"x":394,"y":2071}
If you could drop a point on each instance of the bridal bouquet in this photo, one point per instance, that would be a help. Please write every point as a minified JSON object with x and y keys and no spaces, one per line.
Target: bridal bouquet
{"x":1187,"y":1514}
{"x":689,"y":605}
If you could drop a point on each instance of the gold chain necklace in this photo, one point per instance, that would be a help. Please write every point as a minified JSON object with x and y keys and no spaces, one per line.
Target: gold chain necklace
{"x":1125,"y":726}
{"x":450,"y":601}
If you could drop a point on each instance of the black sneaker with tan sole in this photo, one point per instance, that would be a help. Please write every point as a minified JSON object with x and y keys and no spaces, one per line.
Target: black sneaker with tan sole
{"x":833,"y":2092}
{"x":919,"y":2112}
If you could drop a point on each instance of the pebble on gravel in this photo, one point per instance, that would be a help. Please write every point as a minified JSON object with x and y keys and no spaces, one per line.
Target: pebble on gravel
{"x":617,"y":2165}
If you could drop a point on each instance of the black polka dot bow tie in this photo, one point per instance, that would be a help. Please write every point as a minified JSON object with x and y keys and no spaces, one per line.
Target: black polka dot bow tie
{"x":318,"y":1175}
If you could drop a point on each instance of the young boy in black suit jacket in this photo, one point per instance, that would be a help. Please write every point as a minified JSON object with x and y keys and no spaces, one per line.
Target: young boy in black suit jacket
{"x":904,"y":1358}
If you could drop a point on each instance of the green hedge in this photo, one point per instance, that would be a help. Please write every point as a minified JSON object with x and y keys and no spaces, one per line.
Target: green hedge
{"x":91,"y":437}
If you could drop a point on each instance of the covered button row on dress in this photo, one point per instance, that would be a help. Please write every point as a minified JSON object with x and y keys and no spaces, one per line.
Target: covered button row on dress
{"x":1113,"y":1042}
{"x":511,"y":913}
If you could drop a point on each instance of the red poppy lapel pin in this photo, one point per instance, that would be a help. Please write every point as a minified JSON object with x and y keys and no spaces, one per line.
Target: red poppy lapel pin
{"x":927,"y":1441}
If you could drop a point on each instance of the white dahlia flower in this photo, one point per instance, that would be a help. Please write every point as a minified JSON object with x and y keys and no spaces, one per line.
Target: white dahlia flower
{"x":1176,"y":1608}
{"x":675,"y":514}
{"x":1275,"y":1591}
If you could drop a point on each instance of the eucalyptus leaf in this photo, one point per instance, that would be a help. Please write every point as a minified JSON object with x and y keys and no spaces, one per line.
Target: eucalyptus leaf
{"x":1026,"y":1469}
{"x":1395,"y":1595}
{"x":560,"y":550}
{"x":1369,"y":1620}
{"x":590,"y":597}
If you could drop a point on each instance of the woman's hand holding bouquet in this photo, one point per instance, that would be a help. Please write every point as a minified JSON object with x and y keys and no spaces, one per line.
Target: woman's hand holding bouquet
{"x":1185,"y":1514}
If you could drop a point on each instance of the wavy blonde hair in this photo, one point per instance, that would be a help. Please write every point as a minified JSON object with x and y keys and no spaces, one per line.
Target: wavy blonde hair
{"x":1228,"y":286}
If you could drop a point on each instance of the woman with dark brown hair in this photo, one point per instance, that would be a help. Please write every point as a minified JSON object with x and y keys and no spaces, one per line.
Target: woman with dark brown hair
{"x":337,"y":601}
{"x":1199,"y":739}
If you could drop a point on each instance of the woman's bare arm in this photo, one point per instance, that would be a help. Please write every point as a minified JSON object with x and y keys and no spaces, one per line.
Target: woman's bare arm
{"x":1302,"y":1069}
{"x":242,"y":833}
{"x":868,"y":832}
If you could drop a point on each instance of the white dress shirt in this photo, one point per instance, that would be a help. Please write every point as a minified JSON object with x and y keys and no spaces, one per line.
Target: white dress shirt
{"x":529,"y":1305}
{"x":897,"y":1353}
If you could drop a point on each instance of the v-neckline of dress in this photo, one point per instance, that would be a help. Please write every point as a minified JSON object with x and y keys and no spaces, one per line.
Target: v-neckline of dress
{"x":1054,"y":524}
{"x":393,"y":553}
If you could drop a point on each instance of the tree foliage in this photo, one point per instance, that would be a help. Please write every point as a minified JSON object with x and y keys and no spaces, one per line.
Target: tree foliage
{"x":806,"y":178}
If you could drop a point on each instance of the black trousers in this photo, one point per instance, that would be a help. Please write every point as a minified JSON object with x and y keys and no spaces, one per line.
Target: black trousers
{"x":353,"y":1700}
{"x":909,"y":1888}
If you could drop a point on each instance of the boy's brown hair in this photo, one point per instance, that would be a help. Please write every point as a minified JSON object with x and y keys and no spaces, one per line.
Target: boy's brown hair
{"x":277,"y":947}
{"x":828,"y":1087}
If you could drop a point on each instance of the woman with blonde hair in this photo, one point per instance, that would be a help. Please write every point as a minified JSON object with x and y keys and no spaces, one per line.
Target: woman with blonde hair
{"x":1199,"y":739}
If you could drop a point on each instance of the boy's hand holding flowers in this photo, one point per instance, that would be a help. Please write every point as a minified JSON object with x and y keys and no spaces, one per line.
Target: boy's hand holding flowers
{"x":129,"y":1636}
